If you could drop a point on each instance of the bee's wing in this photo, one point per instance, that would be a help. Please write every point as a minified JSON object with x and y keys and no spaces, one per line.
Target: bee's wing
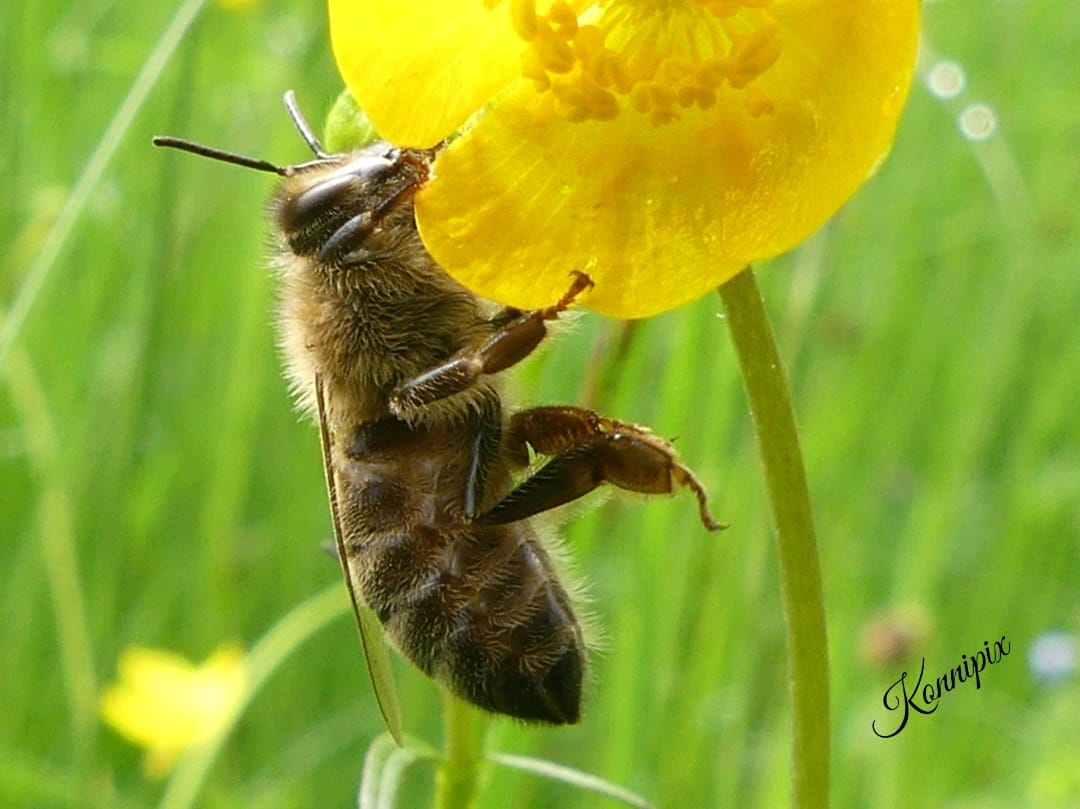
{"x":371,"y":632}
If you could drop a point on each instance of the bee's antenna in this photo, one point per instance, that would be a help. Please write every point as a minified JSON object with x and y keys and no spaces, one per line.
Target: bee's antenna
{"x":302,"y":126}
{"x":219,"y":154}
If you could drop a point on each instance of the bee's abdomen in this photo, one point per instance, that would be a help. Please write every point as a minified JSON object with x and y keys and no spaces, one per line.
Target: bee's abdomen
{"x":480,"y":608}
{"x":515,"y":646}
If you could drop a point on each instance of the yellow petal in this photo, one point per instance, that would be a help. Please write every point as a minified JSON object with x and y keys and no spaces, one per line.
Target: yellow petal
{"x":659,"y":215}
{"x":420,"y":69}
{"x":511,"y":216}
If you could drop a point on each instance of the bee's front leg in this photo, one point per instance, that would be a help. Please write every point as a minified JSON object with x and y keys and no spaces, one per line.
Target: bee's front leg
{"x":587,"y":450}
{"x":508,"y":346}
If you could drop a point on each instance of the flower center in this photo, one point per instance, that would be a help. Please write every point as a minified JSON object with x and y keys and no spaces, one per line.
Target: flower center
{"x":592,"y":60}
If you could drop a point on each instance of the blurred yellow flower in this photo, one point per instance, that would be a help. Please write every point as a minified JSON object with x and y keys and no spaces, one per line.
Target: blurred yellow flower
{"x":658,"y":145}
{"x":166,"y":704}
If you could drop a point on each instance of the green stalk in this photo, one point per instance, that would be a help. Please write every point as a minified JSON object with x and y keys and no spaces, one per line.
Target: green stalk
{"x":800,"y":570}
{"x":459,"y":772}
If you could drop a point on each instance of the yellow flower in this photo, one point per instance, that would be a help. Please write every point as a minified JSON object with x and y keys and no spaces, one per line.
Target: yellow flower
{"x":166,"y":704}
{"x":658,"y":145}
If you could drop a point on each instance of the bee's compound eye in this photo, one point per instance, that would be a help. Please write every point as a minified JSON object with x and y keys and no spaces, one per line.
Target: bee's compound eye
{"x":314,"y":203}
{"x":369,"y":167}
{"x":332,"y":192}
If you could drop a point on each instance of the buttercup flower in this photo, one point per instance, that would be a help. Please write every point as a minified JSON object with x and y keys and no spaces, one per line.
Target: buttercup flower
{"x":658,"y":145}
{"x":166,"y":704}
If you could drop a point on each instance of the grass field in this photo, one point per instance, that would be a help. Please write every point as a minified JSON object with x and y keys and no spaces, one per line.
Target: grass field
{"x":158,"y":489}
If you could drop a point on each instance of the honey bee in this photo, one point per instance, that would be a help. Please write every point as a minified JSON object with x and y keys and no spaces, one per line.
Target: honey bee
{"x":428,"y":473}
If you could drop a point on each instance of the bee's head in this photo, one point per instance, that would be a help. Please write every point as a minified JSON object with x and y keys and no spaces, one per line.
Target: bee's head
{"x":329,"y":207}
{"x":337,"y":209}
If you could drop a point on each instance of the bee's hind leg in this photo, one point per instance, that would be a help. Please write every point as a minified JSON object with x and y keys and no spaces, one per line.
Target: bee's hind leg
{"x":587,"y":450}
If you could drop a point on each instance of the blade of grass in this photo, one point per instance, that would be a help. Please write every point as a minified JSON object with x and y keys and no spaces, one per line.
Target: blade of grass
{"x":568,"y":775}
{"x":58,"y":548}
{"x":265,"y":657}
{"x":56,"y":239}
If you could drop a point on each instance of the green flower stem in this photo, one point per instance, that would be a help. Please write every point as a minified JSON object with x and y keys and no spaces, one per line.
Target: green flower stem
{"x":800,"y":571}
{"x":466,"y":728}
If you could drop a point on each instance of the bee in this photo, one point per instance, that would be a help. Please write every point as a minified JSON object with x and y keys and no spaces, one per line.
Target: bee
{"x":429,"y":474}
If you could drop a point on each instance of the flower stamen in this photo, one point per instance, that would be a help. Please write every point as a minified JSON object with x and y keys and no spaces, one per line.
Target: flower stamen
{"x":598,"y":59}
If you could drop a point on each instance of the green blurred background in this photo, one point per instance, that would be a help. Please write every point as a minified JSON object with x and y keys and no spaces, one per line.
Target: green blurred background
{"x":157,"y":488}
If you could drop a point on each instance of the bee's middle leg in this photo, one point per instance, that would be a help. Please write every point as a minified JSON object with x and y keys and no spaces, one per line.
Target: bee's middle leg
{"x":508,"y":346}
